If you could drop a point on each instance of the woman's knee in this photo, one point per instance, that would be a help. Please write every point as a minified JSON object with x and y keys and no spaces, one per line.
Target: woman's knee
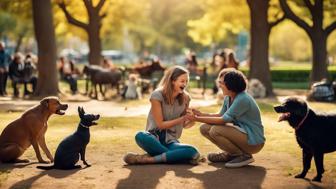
{"x":141,"y":136}
{"x":192,"y":151}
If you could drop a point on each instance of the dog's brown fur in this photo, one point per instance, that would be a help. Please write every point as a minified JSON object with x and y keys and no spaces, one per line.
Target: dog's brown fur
{"x":28,"y":130}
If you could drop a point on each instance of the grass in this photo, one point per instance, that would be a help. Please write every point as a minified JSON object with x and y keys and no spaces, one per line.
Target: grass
{"x":116,"y":135}
{"x":290,"y":85}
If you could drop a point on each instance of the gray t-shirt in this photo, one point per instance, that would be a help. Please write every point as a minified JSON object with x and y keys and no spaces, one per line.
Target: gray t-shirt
{"x":169,"y":112}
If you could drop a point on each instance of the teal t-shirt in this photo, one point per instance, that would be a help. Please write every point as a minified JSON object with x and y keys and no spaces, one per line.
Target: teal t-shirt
{"x":244,"y":112}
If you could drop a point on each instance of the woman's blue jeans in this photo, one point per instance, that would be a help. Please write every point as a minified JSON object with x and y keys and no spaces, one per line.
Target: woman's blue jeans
{"x":175,"y":152}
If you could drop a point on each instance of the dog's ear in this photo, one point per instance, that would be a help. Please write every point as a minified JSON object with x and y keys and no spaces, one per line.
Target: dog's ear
{"x":80,"y":111}
{"x":45,"y":103}
{"x":83,"y":110}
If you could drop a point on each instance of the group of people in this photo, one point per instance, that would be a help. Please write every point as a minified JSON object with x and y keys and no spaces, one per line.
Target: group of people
{"x":21,"y":70}
{"x":236,"y":129}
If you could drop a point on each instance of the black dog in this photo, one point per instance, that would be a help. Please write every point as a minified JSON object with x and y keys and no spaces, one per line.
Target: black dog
{"x":315,"y":133}
{"x":68,"y":151}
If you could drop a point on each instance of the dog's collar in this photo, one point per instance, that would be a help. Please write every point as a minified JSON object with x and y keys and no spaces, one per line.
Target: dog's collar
{"x":81,"y":124}
{"x":304,"y":118}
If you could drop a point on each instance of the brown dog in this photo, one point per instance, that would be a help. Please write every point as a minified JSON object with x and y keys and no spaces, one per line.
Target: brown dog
{"x":28,"y":130}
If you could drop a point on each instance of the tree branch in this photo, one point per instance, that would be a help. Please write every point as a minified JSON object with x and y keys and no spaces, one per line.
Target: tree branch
{"x":291,"y":15}
{"x":330,"y":28}
{"x":100,"y":5}
{"x":309,"y":5}
{"x":70,"y":18}
{"x":272,"y":24}
{"x":103,"y":15}
{"x":88,"y":4}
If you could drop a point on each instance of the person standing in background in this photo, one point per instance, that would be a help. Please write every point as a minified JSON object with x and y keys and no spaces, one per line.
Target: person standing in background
{"x":5,"y":60}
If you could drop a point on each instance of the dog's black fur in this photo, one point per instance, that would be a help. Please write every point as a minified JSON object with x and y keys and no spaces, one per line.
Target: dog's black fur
{"x":69,"y":150}
{"x":316,"y":135}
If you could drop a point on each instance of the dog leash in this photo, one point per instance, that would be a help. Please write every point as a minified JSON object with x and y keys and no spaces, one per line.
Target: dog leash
{"x":81,"y":124}
{"x":305,"y":117}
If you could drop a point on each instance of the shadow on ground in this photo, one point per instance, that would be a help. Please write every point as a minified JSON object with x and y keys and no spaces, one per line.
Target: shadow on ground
{"x":219,"y":177}
{"x":28,"y":182}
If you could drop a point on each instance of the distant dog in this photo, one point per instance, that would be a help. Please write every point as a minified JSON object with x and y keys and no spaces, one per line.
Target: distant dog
{"x":28,"y":130}
{"x":256,"y":88}
{"x":132,"y":90}
{"x":69,"y":150}
{"x":315,"y":133}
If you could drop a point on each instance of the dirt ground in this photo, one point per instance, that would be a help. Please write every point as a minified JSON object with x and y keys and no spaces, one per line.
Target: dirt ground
{"x":109,"y":171}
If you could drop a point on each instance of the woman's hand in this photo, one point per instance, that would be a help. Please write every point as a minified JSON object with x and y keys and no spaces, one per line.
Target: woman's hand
{"x":196,"y":112}
{"x":190,"y":116}
{"x":189,"y":120}
{"x":188,"y":124}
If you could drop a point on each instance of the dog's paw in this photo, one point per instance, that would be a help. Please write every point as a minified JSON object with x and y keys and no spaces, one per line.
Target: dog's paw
{"x":86,"y":164}
{"x":44,"y":161}
{"x":317,"y":178}
{"x":51,"y":159}
{"x":301,"y":175}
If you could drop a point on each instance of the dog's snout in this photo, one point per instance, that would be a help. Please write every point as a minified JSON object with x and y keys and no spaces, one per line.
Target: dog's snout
{"x":279,"y":109}
{"x":97,"y":117}
{"x":64,"y":106}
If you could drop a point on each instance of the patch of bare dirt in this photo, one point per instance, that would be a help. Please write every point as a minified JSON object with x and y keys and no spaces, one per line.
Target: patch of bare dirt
{"x":108,"y":171}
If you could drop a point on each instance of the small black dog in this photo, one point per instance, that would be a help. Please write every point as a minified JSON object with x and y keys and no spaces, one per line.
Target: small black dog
{"x":315,"y":133}
{"x":68,"y":151}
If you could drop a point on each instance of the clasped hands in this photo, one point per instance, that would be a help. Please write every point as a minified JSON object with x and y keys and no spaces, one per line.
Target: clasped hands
{"x":190,"y":117}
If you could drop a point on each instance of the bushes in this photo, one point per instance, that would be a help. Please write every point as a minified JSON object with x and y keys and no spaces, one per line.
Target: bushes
{"x":289,"y":75}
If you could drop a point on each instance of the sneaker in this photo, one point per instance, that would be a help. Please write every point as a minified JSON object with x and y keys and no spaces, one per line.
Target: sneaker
{"x":240,"y":161}
{"x":133,"y":158}
{"x":220,"y":157}
{"x":198,"y":160}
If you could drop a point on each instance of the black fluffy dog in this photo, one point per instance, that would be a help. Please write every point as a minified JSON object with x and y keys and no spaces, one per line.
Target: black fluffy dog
{"x":73,"y":146}
{"x":315,"y":133}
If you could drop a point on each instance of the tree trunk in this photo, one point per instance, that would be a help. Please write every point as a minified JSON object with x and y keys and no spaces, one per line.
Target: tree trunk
{"x":260,"y":31}
{"x":47,"y":83}
{"x":94,"y":38}
{"x":319,"y":46}
{"x":19,"y":42}
{"x":317,"y":34}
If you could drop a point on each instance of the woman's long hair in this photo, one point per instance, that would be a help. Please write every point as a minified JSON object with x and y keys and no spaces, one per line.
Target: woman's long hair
{"x":166,"y":84}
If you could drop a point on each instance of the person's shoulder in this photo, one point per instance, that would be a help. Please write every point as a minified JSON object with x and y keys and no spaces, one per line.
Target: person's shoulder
{"x":244,"y":96}
{"x":157,"y":94}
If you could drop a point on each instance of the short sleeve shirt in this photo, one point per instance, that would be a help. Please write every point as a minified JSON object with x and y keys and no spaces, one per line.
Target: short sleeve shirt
{"x":169,"y":112}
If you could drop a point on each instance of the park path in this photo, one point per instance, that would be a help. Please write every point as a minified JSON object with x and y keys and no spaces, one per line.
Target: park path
{"x":104,"y":108}
{"x":111,"y":108}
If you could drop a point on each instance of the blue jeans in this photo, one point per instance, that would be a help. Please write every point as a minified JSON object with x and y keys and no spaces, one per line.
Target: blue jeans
{"x":174,"y":152}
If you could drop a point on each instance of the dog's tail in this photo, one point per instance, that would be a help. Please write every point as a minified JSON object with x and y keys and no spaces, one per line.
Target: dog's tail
{"x":46,"y":167}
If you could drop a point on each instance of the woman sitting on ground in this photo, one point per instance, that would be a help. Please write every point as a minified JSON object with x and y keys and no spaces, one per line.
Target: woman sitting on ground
{"x":165,"y":122}
{"x":237,"y":128}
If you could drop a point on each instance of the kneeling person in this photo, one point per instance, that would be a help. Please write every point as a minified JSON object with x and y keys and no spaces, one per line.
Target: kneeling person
{"x":237,"y":128}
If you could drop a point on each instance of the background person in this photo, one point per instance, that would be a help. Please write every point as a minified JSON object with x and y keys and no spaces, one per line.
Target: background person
{"x":5,"y":60}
